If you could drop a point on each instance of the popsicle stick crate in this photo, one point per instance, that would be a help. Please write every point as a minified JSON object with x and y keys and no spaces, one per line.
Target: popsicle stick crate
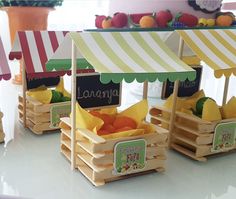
{"x":101,"y":159}
{"x":195,"y":137}
{"x":189,"y":134}
{"x":42,"y":118}
{"x":97,"y":158}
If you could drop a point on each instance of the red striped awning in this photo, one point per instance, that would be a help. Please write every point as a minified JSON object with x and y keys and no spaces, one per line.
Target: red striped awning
{"x":5,"y":72}
{"x":36,"y":47}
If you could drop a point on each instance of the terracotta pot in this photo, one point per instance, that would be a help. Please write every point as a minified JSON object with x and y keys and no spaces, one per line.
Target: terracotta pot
{"x":26,"y":18}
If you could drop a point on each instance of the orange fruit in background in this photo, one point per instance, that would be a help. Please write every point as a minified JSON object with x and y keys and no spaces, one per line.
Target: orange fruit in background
{"x":106,"y":23}
{"x":147,"y":22}
{"x":224,"y":20}
{"x":95,"y":113}
{"x":123,"y":121}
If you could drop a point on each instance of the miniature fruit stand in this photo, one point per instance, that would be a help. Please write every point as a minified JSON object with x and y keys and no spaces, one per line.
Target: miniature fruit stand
{"x":215,"y":132}
{"x":116,"y":56}
{"x":40,"y":108}
{"x":6,"y":75}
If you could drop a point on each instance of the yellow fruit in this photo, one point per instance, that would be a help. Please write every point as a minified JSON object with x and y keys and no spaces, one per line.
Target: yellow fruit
{"x":211,"y":22}
{"x":202,"y":22}
{"x":43,"y":96}
{"x":187,"y":111}
{"x":192,"y":100}
{"x":211,"y":111}
{"x":229,"y":110}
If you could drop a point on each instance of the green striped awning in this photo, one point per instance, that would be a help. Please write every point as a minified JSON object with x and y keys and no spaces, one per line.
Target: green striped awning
{"x":217,"y":48}
{"x":122,"y":55}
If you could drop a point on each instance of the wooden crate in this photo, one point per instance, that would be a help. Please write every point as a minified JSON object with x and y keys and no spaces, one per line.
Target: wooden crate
{"x":95,"y":155}
{"x":191,"y":136}
{"x":38,"y":118}
{"x":2,"y":135}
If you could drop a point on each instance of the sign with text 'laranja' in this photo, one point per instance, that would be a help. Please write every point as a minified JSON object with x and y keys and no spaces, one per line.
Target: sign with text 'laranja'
{"x":91,"y":93}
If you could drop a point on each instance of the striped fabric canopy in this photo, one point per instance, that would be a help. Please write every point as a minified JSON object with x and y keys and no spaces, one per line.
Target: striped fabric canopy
{"x":122,"y":55}
{"x":37,"y":47}
{"x":4,"y":67}
{"x":217,"y":48}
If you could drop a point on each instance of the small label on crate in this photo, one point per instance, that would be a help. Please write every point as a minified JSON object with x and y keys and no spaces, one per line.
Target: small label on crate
{"x":224,"y":137}
{"x":57,"y":112}
{"x":129,"y":157}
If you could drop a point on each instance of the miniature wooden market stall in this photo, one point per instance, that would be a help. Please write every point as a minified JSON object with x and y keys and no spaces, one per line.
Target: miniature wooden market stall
{"x":191,"y":135}
{"x":116,"y":56}
{"x":34,"y":48}
{"x":6,"y":75}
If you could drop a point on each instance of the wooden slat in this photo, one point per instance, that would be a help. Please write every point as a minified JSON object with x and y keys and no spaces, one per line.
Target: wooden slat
{"x":150,"y":165}
{"x":187,"y":152}
{"x":88,"y":173}
{"x":66,"y":152}
{"x":153,"y":138}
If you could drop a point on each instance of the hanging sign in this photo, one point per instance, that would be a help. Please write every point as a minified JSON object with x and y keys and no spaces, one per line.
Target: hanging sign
{"x":91,"y":93}
{"x":129,"y":157}
{"x":224,"y":137}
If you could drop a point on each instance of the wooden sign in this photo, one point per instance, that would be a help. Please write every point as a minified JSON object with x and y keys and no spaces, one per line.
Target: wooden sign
{"x":186,"y":88}
{"x":91,"y":93}
{"x":37,"y":82}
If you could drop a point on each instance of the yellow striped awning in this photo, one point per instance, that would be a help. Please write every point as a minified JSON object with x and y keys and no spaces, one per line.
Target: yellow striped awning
{"x":123,"y":55}
{"x":217,"y":48}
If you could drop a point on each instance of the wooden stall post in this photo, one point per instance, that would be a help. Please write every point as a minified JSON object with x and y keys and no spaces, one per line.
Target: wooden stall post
{"x":226,"y":87}
{"x":73,"y":105}
{"x":145,"y":89}
{"x":24,"y":93}
{"x":175,"y":94}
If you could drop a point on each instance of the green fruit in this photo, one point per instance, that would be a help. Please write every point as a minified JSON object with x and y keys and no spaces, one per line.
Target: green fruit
{"x":199,"y":105}
{"x":65,"y":99}
{"x":56,"y":96}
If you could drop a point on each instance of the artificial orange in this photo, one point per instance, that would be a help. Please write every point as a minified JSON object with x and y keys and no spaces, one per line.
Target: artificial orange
{"x":125,"y":128}
{"x":123,"y":121}
{"x":147,"y":22}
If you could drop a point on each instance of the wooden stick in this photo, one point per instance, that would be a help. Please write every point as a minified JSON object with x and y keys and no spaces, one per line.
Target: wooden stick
{"x":175,"y":94}
{"x":73,"y":106}
{"x":226,"y":88}
{"x":145,"y":89}
{"x":24,"y":93}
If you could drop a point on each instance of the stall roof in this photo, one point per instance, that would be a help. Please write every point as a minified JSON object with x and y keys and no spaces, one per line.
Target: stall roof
{"x":122,"y":55}
{"x":4,"y":67}
{"x":36,"y":47}
{"x":217,"y":48}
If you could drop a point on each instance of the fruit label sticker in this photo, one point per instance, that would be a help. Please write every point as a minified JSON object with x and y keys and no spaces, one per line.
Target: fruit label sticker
{"x":129,"y":157}
{"x":224,"y":137}
{"x":57,"y":112}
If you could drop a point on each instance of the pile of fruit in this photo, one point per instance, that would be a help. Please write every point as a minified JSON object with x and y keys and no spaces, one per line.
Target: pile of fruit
{"x":162,"y":19}
{"x":204,"y":107}
{"x":47,"y":96}
{"x":110,"y":124}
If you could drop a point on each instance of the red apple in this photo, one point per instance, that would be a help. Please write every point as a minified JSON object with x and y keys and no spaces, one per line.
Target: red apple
{"x":163,"y":17}
{"x":119,"y":20}
{"x":98,"y":20}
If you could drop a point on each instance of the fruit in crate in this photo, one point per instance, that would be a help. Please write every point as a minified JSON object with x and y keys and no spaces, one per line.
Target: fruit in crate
{"x":188,"y":20}
{"x":229,"y":110}
{"x":147,"y":22}
{"x":106,"y":23}
{"x":211,"y":111}
{"x":98,"y":20}
{"x":163,"y":17}
{"x":200,"y":104}
{"x":119,"y":20}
